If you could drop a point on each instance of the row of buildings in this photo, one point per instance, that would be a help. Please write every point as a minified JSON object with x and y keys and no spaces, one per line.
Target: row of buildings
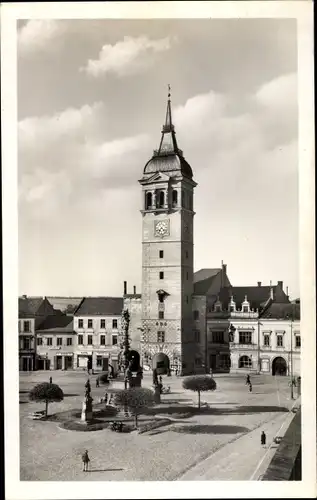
{"x":195,"y":321}
{"x":239,"y":329}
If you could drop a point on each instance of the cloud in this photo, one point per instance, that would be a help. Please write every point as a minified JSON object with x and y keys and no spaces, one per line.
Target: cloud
{"x":132,"y":55}
{"x":38,"y":35}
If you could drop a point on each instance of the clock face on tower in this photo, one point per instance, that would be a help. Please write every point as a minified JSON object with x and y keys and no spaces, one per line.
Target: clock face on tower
{"x":161,"y":228}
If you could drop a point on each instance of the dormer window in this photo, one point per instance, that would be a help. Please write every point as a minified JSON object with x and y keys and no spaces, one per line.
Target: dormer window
{"x":245,"y":305}
{"x":218,"y":306}
{"x":148,"y":201}
{"x":232,"y":305}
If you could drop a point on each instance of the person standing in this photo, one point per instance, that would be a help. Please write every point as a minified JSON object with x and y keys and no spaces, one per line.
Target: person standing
{"x":248,"y":381}
{"x":97,"y":382}
{"x":263,"y":438}
{"x":86,"y":460}
{"x":250,"y":387}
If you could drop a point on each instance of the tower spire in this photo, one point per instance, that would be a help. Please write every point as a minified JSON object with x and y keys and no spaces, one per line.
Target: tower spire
{"x":168,"y":144}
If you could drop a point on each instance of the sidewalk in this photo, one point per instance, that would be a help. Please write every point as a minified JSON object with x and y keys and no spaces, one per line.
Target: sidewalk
{"x":243,"y":459}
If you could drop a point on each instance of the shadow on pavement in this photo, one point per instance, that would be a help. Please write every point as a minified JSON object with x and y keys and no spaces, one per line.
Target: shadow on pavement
{"x":210,"y":429}
{"x":70,"y":395}
{"x":194,"y":410}
{"x":103,"y":470}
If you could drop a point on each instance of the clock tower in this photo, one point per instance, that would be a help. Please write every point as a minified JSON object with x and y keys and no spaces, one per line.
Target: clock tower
{"x":167,"y":254}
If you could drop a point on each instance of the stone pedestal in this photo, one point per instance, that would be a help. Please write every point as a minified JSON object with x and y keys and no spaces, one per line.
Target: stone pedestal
{"x":86,"y":413}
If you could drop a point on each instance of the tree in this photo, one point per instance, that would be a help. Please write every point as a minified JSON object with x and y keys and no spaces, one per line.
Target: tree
{"x":135,"y":400}
{"x":47,"y":393}
{"x":199,"y":383}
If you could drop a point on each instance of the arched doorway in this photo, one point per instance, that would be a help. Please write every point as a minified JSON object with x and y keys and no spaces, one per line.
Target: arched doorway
{"x":134,"y":356}
{"x":161,"y":362}
{"x":279,"y":366}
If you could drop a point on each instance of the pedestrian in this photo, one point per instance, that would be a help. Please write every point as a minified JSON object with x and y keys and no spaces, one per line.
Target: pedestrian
{"x":263,"y":438}
{"x":160,"y":379}
{"x":176,"y":371}
{"x":86,"y":460}
{"x":250,"y":387}
{"x":97,"y":382}
{"x":110,"y":399}
{"x":106,"y":397}
{"x":51,"y":380}
{"x":248,"y":381}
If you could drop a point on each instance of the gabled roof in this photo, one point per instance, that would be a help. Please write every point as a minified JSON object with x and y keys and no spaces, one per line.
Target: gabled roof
{"x":68,"y":304}
{"x":60,"y":323}
{"x":100,"y":306}
{"x":203,"y":280}
{"x":257,"y":296}
{"x":28,"y":306}
{"x":279,"y":310}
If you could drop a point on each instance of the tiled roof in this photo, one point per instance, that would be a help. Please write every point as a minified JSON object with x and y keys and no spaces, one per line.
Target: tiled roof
{"x":68,"y":304}
{"x":100,"y":306}
{"x":256,"y":295}
{"x":28,"y":306}
{"x":282,"y":311}
{"x":56,"y":323}
{"x":203,"y":280}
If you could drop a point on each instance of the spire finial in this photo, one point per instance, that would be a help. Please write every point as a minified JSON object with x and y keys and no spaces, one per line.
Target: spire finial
{"x":169,"y":91}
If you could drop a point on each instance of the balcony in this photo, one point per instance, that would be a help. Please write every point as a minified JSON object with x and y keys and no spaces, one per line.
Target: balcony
{"x":234,"y":345}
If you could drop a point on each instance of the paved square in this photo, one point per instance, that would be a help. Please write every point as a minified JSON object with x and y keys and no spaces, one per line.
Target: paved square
{"x":223,"y":443}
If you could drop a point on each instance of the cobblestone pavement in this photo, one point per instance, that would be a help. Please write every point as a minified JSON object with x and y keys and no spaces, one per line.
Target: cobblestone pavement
{"x":169,"y":453}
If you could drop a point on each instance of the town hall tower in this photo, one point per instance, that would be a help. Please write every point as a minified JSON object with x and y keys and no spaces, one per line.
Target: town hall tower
{"x":167,"y":254}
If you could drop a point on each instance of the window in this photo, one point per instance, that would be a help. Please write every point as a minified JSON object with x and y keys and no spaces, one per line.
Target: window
{"x":26,"y":343}
{"x":161,"y":275}
{"x":80,"y":339}
{"x":161,"y":199}
{"x":114,"y":324}
{"x":186,"y":299}
{"x":183,"y":199}
{"x":231,"y":309}
{"x":197,"y":336}
{"x":198,"y":362}
{"x":186,"y":254}
{"x":50,"y":341}
{"x":114,"y":339}
{"x":90,"y":323}
{"x":102,"y":323}
{"x":59,"y":341}
{"x":161,"y":298}
{"x":245,"y":309}
{"x":245,"y":337}
{"x":196,"y":315}
{"x":99,"y":361}
{"x":161,"y":337}
{"x":161,"y":254}
{"x":161,"y":315}
{"x":89,"y":340}
{"x":102,"y":340}
{"x":297,"y":341}
{"x":279,"y":340}
{"x":27,"y":327}
{"x":187,"y":275}
{"x":148,"y":201}
{"x":218,"y":337}
{"x":218,"y":308}
{"x":245,"y":362}
{"x":174,"y":198}
{"x":69,"y":341}
{"x":80,"y":323}
{"x":267,"y":340}
{"x":39,"y":341}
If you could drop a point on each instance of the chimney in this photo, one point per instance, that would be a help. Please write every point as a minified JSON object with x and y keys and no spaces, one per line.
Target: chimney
{"x":24,"y":296}
{"x":124,"y":288}
{"x":259,"y":283}
{"x":280,"y":284}
{"x":134,"y":290}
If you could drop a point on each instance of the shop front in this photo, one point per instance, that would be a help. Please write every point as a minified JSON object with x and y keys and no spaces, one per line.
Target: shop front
{"x":63,"y":361}
{"x":84,"y":360}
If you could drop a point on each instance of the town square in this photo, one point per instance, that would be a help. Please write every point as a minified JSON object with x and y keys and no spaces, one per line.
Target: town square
{"x":159,"y":319}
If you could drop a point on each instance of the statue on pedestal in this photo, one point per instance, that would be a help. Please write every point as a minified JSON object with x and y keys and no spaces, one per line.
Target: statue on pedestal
{"x":86,"y":414}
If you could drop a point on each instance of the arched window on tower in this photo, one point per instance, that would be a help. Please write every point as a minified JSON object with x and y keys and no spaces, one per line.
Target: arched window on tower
{"x":161,"y":199}
{"x":174,"y":198}
{"x":148,"y":201}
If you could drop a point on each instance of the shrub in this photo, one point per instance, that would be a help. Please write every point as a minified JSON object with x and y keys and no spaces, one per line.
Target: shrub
{"x":199,"y":383}
{"x":135,"y":400}
{"x":47,"y":393}
{"x":104,"y":378}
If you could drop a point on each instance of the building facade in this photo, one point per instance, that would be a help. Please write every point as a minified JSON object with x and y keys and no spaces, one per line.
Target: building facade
{"x":97,"y":325}
{"x":55,"y":342}
{"x":32,"y":311}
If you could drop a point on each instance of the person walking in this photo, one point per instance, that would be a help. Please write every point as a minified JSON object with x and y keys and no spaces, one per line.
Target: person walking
{"x":263,"y":438}
{"x":86,"y":460}
{"x":248,"y":381}
{"x":250,"y":387}
{"x":97,"y":382}
{"x":106,"y":397}
{"x":51,"y":380}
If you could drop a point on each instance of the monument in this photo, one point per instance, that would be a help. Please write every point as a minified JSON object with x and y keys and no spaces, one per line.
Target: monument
{"x":86,"y":414}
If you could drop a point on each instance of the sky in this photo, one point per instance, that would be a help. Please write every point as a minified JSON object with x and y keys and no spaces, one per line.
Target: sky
{"x":91,"y":104}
